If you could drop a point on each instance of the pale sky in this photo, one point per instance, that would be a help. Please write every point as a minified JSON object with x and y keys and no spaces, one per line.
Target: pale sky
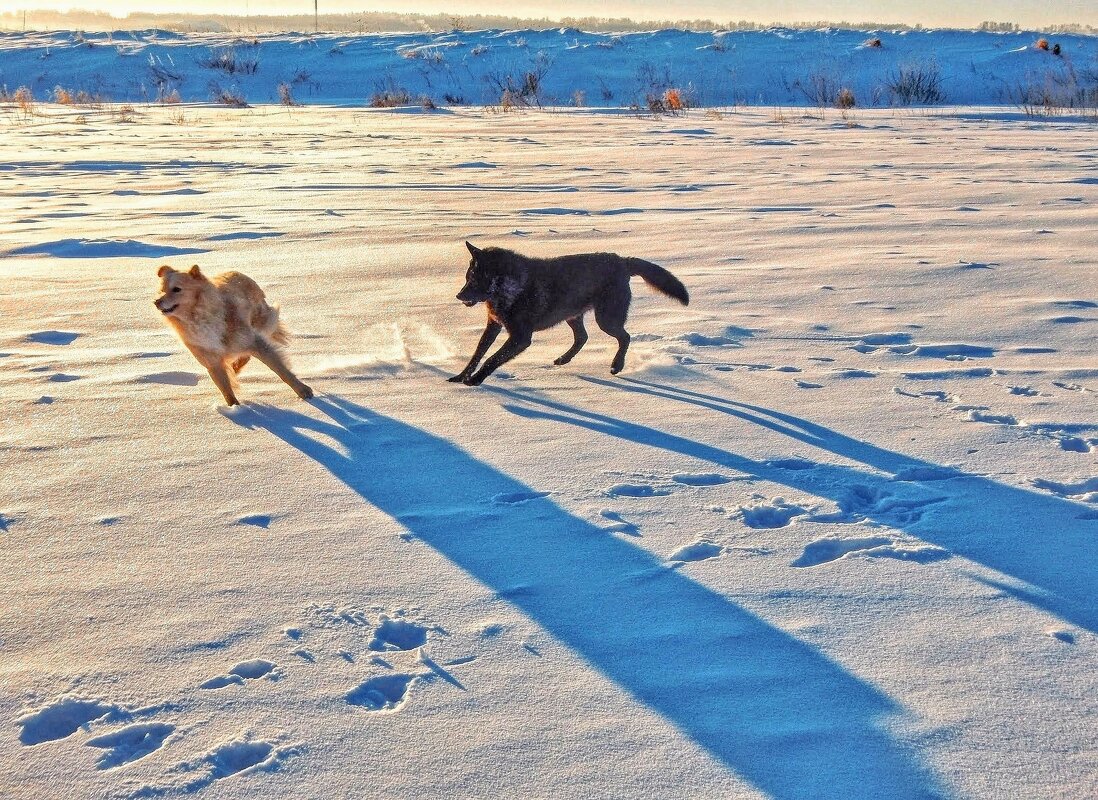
{"x":969,"y":13}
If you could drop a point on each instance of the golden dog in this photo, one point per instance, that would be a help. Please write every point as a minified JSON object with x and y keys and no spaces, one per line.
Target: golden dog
{"x":224,"y":321}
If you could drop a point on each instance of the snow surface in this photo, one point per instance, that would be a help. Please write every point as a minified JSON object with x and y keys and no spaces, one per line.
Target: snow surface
{"x":773,"y":66}
{"x":833,"y":533}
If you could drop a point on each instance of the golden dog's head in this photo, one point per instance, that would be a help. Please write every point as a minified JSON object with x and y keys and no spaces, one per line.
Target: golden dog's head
{"x":179,"y":291}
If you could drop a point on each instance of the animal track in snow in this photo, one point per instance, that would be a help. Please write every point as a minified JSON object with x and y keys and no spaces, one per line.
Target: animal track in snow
{"x":398,"y":634}
{"x":696,"y":551}
{"x":1085,"y":490}
{"x":635,"y":490}
{"x":859,"y":502}
{"x":617,"y":524}
{"x":514,"y":498}
{"x":383,"y":693}
{"x":823,"y":551}
{"x":941,"y":397}
{"x":245,"y":670}
{"x":775,"y":513}
{"x":1071,"y":387}
{"x":854,"y":373}
{"x":1077,"y":444}
{"x":700,"y":479}
{"x":983,"y":415}
{"x":130,"y":743}
{"x":63,"y":717}
{"x":234,"y":757}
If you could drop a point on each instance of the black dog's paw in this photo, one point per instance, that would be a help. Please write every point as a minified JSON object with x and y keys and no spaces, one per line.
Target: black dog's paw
{"x":474,"y":380}
{"x":459,"y":378}
{"x":616,"y":370}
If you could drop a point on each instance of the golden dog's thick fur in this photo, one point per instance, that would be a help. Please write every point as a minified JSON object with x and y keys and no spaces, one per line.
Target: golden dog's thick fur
{"x":224,"y":321}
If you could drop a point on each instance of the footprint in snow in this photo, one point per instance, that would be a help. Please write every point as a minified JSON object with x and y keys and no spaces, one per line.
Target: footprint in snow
{"x":245,"y":670}
{"x":617,"y":524}
{"x":1085,"y":490}
{"x":383,"y":693}
{"x":635,"y":490}
{"x":984,"y":415}
{"x":398,"y":634}
{"x":232,"y":758}
{"x":828,"y":549}
{"x":700,"y":479}
{"x":130,"y":743}
{"x":62,"y":718}
{"x":774,"y":513}
{"x":696,"y":551}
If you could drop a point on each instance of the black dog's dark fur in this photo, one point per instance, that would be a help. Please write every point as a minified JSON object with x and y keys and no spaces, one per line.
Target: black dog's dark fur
{"x":525,"y":295}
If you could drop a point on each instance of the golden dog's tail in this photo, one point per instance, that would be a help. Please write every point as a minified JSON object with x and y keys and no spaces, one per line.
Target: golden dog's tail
{"x":268,"y":324}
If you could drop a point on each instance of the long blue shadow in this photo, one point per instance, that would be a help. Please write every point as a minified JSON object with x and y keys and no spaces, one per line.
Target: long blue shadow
{"x":1047,"y":542}
{"x":773,"y":709}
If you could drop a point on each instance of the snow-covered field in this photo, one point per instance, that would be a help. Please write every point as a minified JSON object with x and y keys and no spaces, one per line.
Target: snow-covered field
{"x":563,"y":67}
{"x":832,"y":534}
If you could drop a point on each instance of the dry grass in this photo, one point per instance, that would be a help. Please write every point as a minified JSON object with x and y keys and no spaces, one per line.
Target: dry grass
{"x":286,"y":95}
{"x":124,"y":114}
{"x":232,"y":98}
{"x":845,"y":99}
{"x":390,"y":98}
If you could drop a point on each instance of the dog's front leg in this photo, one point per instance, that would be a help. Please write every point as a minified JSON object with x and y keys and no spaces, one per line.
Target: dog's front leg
{"x":515,"y":344}
{"x":486,"y":339}
{"x":222,"y":381}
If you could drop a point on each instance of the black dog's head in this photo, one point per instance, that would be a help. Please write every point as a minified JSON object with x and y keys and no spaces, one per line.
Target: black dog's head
{"x":488,"y":277}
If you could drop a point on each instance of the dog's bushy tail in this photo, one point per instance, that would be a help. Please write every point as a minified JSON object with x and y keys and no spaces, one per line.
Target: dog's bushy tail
{"x":271,"y":326}
{"x":658,"y":278}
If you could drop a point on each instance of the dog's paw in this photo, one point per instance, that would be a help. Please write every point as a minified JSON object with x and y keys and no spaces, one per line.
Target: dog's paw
{"x":474,"y":380}
{"x":616,"y":370}
{"x":459,"y":378}
{"x":305,"y":393}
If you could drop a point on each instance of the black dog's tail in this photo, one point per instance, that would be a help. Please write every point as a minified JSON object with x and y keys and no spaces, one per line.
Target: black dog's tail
{"x":658,"y":278}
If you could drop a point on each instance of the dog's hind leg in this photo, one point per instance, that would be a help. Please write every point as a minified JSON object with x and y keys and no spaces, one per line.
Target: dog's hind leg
{"x":271,"y":357}
{"x":240,"y":363}
{"x":610,"y":314}
{"x":514,"y":345}
{"x":580,"y":332}
{"x":486,"y":339}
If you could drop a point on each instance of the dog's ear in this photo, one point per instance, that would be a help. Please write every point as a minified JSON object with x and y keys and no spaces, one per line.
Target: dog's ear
{"x":195,"y":272}
{"x":473,"y":251}
{"x":164,"y":270}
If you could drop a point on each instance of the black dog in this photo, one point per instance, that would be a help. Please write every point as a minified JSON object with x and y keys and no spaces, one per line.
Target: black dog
{"x":531,"y":294}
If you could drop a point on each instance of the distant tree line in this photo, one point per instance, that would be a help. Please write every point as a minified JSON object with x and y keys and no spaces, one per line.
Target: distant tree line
{"x":376,"y":21}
